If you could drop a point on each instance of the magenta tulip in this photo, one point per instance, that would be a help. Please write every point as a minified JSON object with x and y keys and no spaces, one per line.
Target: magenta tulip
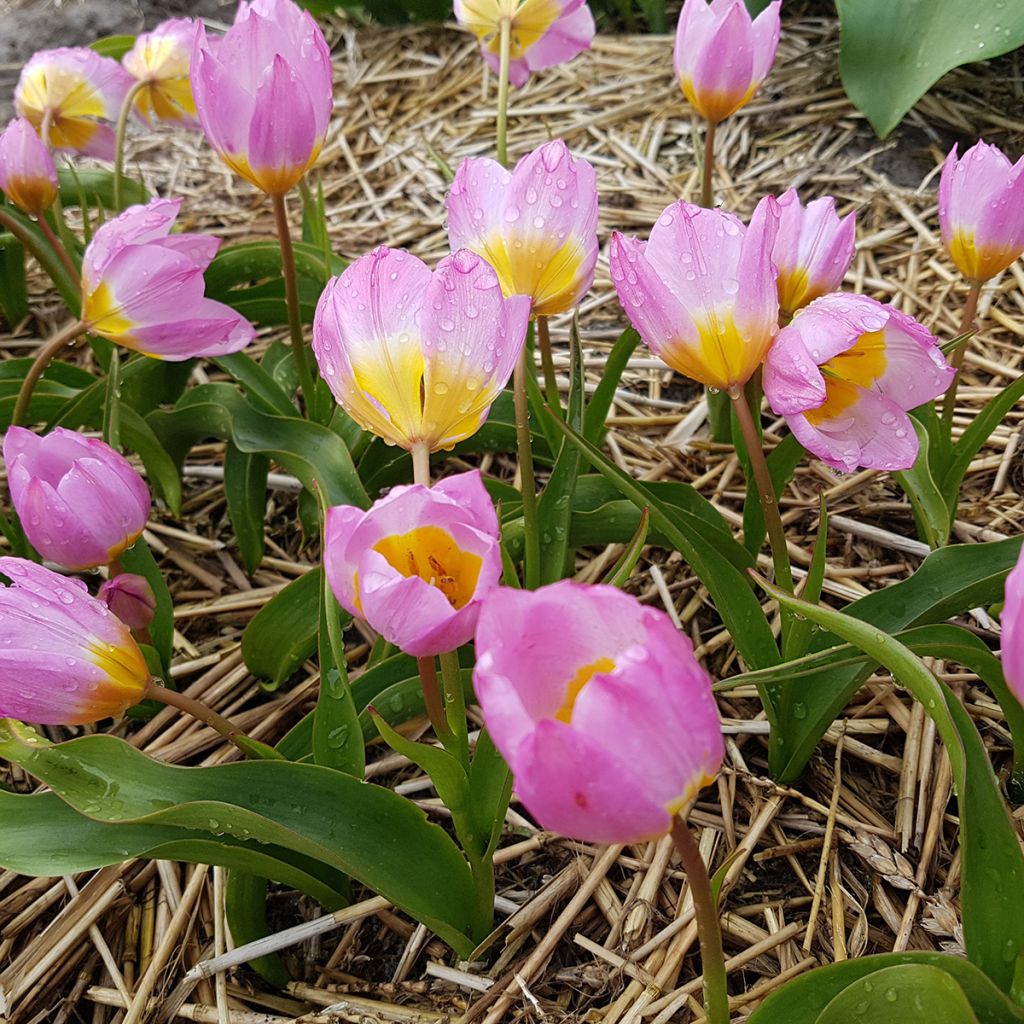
{"x":845,"y":372}
{"x":130,"y":598}
{"x":142,"y":288}
{"x":813,"y":250}
{"x":27,"y":175}
{"x":702,"y":291}
{"x":1012,"y":622}
{"x":598,"y":705}
{"x":416,"y":565}
{"x":722,"y":56}
{"x":65,"y":659}
{"x":536,"y":226}
{"x":69,"y":95}
{"x":160,"y":61}
{"x":80,"y":503}
{"x":981,"y":210}
{"x":263,"y":93}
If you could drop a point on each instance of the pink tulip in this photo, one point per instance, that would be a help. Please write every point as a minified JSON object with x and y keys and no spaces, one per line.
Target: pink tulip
{"x":27,"y":174}
{"x":142,"y":288}
{"x":544,"y":32}
{"x":416,"y":566}
{"x":264,"y":93}
{"x":64,"y":658}
{"x":598,"y":706}
{"x":1012,"y":622}
{"x":130,"y":598}
{"x":813,"y":250}
{"x":702,"y":291}
{"x":81,"y":504}
{"x":721,"y":56}
{"x":74,"y":91}
{"x":418,"y":357}
{"x":875,"y":363}
{"x":536,"y":226}
{"x":981,"y":210}
{"x":160,"y":62}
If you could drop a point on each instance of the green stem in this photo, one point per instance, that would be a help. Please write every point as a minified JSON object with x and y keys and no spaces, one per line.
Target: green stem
{"x":524,"y":444}
{"x":112,"y":405}
{"x":432,"y":699}
{"x":956,"y":360}
{"x":62,"y":339}
{"x":709,"y":931}
{"x":455,"y":705}
{"x":505,"y":59}
{"x":291,"y":295}
{"x":708,"y":170}
{"x":119,"y":133}
{"x":548,"y":362}
{"x":482,"y":871}
{"x":58,"y":247}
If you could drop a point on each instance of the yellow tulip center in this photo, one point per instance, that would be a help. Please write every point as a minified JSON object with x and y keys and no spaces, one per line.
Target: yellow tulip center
{"x":103,"y":313}
{"x":600,"y":667}
{"x":124,"y":666}
{"x":432,"y":554}
{"x":858,"y":367}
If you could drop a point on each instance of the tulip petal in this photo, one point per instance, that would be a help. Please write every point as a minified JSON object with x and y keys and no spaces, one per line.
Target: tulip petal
{"x":1012,"y":623}
{"x":475,"y":205}
{"x":722,"y":77}
{"x":135,"y":226}
{"x":568,"y":35}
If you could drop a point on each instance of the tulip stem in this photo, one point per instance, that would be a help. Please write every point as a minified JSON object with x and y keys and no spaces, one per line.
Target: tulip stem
{"x":62,"y":339}
{"x":527,"y":484}
{"x":504,"y":59}
{"x":291,"y":295}
{"x":58,"y":247}
{"x":455,"y":705}
{"x":432,"y":699}
{"x":956,"y":360}
{"x":709,"y":931}
{"x":765,"y":490}
{"x":112,"y":405}
{"x":708,"y":170}
{"x":119,"y":133}
{"x":420,"y":464}
{"x":548,"y":362}
{"x":58,"y":204}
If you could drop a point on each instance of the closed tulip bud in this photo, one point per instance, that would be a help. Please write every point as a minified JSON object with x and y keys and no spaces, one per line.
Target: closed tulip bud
{"x":263,"y":93}
{"x":65,"y":659}
{"x":416,"y":565}
{"x":813,"y":250}
{"x":702,"y":292}
{"x":598,"y":706}
{"x":80,"y":503}
{"x":543,"y":32}
{"x":722,"y":56}
{"x":536,"y":226}
{"x":142,"y":288}
{"x":27,"y":175}
{"x":981,"y":210}
{"x":845,"y":372}
{"x":1012,"y":622}
{"x":418,"y":357}
{"x":73,"y":92}
{"x":160,"y":61}
{"x":130,"y":598}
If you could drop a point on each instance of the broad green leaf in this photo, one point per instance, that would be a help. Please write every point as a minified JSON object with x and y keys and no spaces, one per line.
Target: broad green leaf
{"x":13,"y":287}
{"x":113,"y":46}
{"x":283,"y":633}
{"x":257,"y":383}
{"x":161,"y":472}
{"x":490,"y":787}
{"x":930,"y":510}
{"x":245,"y":907}
{"x":95,"y":186}
{"x":891,"y":54}
{"x":245,"y":262}
{"x":139,"y":560}
{"x":27,"y":232}
{"x":245,"y":488}
{"x":798,"y":637}
{"x":601,"y":401}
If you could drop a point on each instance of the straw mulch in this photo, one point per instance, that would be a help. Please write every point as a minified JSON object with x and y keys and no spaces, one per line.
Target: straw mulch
{"x":860,"y":857}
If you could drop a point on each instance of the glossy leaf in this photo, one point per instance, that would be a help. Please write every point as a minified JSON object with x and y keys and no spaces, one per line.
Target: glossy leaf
{"x":798,"y":636}
{"x":601,"y":401}
{"x":930,"y":510}
{"x":245,"y":488}
{"x":283,"y":633}
{"x":13,"y":287}
{"x":245,"y":908}
{"x":916,"y":993}
{"x":258,"y":384}
{"x":139,"y":560}
{"x":161,"y":472}
{"x":95,"y":187}
{"x":620,"y":572}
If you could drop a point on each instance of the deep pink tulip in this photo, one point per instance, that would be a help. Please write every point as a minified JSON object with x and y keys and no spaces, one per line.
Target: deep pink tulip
{"x":544,"y":32}
{"x":418,"y":357}
{"x":813,"y":250}
{"x":536,"y":226}
{"x":27,"y":174}
{"x":981,"y":210}
{"x":722,"y":56}
{"x":65,"y":659}
{"x":598,"y":706}
{"x":161,"y":60}
{"x":702,"y":291}
{"x":142,"y":288}
{"x":75,"y":91}
{"x":416,"y":565}
{"x":1012,"y":622}
{"x":264,"y":93}
{"x":845,"y":372}
{"x":81,"y":504}
{"x":130,"y":598}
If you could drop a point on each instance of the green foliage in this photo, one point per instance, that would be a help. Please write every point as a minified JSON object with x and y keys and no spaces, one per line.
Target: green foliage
{"x":283,"y":633}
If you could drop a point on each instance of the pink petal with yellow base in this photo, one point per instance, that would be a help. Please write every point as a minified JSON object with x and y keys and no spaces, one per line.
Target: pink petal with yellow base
{"x":27,"y":174}
{"x":161,"y":60}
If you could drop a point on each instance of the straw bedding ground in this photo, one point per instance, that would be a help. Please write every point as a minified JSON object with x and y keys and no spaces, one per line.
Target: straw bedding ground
{"x":860,"y":857}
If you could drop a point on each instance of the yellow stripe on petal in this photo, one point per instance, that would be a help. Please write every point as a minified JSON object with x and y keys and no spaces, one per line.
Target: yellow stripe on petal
{"x":537,"y":266}
{"x":104,"y":315}
{"x":391,"y":383}
{"x":275,"y":181}
{"x":862,"y":363}
{"x":600,"y":667}
{"x":124,"y":666}
{"x":723,"y":359}
{"x":432,"y":554}
{"x":979,"y":263}
{"x":840,"y":395}
{"x":453,"y":405}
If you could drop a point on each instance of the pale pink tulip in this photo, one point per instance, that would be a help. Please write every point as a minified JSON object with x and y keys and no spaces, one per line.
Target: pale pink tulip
{"x":1012,"y":622}
{"x":27,"y":174}
{"x":160,"y":60}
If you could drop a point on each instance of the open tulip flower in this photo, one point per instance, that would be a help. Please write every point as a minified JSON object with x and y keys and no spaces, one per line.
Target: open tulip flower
{"x":981,"y":210}
{"x":1012,"y":622}
{"x":536,"y":226}
{"x":67,"y":94}
{"x":845,"y":372}
{"x":27,"y":175}
{"x":722,"y":56}
{"x":702,"y":291}
{"x":65,"y":659}
{"x":159,"y":61}
{"x":416,"y":565}
{"x":598,"y":706}
{"x":813,"y":250}
{"x":80,"y":502}
{"x":142,"y":288}
{"x":543,"y":32}
{"x":263,"y":93}
{"x":418,"y":357}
